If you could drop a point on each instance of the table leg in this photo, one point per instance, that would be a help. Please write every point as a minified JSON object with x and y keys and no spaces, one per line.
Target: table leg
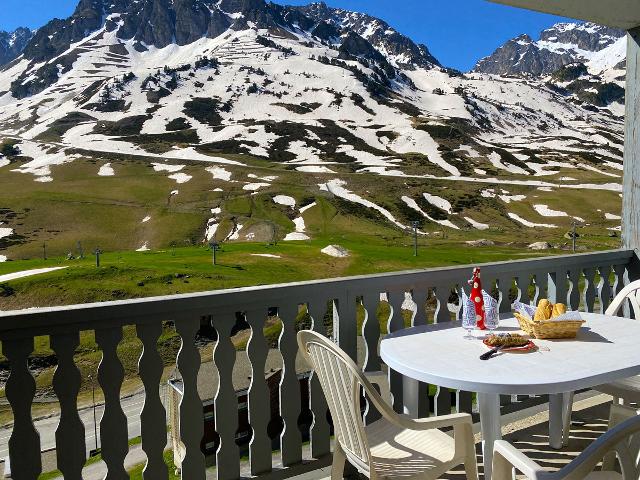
{"x":415,"y":396}
{"x":567,"y":410}
{"x":560,"y":407}
{"x":555,"y":420}
{"x":489,"y":407}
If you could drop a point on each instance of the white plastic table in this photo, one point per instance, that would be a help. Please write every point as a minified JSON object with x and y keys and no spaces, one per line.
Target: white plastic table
{"x":605,"y":349}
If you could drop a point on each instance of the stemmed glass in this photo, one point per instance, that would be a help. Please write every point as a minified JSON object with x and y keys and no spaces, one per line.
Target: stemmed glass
{"x":492,"y":319}
{"x":468,"y":314}
{"x":469,"y":324}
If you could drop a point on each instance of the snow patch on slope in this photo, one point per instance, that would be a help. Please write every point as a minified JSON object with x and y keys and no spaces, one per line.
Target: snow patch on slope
{"x":411,"y":203}
{"x":529,"y":224}
{"x":336,"y":187}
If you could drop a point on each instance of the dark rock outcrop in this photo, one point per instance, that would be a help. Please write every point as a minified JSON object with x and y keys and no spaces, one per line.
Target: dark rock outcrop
{"x":354,"y":45}
{"x":218,"y":24}
{"x":326,"y":31}
{"x":192,"y":21}
{"x":13,"y":43}
{"x":157,"y":25}
{"x":401,"y":49}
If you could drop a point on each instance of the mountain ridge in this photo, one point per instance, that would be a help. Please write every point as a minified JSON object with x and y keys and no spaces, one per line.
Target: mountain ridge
{"x":160,"y":23}
{"x":559,"y":45}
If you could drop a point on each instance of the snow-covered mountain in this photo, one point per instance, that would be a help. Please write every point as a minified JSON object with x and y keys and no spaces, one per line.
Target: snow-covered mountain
{"x":584,"y":61}
{"x":599,"y":48}
{"x":12,"y":43}
{"x":312,"y":89}
{"x":160,"y":23}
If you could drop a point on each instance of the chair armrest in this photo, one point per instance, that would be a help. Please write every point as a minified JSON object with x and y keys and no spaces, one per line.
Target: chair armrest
{"x":403,"y":421}
{"x":379,"y":379}
{"x":441,"y":421}
{"x":505,"y":452}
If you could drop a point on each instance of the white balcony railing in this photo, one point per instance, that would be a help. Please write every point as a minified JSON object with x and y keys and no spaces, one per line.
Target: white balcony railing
{"x":587,"y":281}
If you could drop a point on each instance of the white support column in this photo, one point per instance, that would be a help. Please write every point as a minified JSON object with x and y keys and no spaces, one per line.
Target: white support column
{"x":631,"y":182}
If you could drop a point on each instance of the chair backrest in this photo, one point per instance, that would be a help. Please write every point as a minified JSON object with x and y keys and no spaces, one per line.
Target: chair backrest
{"x":341,"y":381}
{"x":630,"y":293}
{"x":623,"y":439}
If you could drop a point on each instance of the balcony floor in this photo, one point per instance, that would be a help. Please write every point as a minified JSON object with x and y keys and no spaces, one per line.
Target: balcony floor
{"x":531,"y":433}
{"x":528,"y":430}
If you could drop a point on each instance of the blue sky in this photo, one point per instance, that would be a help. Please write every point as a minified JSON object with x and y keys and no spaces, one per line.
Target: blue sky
{"x":458,"y":32}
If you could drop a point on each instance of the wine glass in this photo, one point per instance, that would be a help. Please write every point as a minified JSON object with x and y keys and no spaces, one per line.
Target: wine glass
{"x":469,"y":323}
{"x":492,"y":321}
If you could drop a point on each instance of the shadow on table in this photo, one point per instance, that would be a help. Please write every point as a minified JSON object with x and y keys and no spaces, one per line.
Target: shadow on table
{"x":585,"y":335}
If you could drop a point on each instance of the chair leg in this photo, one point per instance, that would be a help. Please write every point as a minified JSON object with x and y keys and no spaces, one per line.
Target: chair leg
{"x":339,"y":461}
{"x":617,"y":415}
{"x":471,"y":467}
{"x":470,"y":460}
{"x":502,"y":469}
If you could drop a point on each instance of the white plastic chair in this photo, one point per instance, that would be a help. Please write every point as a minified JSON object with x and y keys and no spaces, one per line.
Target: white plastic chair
{"x":623,"y":440}
{"x":627,"y":389}
{"x":394,"y":447}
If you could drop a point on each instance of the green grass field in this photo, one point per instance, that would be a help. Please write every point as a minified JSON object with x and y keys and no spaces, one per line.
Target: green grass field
{"x":107,"y":212}
{"x":189,"y":269}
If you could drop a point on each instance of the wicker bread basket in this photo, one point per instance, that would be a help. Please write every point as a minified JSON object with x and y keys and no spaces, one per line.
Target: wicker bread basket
{"x":525,"y":323}
{"x":549,"y":329}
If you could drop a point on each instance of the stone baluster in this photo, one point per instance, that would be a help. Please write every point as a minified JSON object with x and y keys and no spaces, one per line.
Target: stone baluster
{"x":320,"y":429}
{"x":153,"y":418}
{"x":24,"y":443}
{"x":589,"y":292}
{"x":290,"y":438}
{"x":224,"y":358}
{"x":114,"y":436}
{"x":259,"y":400}
{"x":71,"y":450}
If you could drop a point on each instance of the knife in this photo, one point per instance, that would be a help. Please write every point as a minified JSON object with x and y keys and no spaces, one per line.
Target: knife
{"x":492,"y":352}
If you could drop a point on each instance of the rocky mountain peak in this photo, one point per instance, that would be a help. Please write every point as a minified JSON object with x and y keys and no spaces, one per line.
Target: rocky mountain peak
{"x":238,"y":6}
{"x":584,"y":36}
{"x":12,"y":43}
{"x":523,"y":39}
{"x":56,"y":36}
{"x":398,"y":49}
{"x":560,"y":45}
